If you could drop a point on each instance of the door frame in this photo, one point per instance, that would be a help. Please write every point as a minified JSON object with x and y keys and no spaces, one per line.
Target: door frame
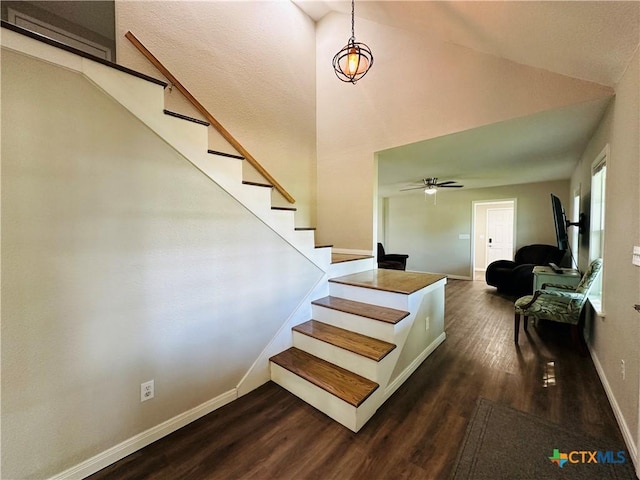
{"x":474,"y":219}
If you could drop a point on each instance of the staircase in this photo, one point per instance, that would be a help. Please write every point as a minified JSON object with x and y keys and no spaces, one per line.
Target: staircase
{"x":346,"y":360}
{"x":369,"y":329}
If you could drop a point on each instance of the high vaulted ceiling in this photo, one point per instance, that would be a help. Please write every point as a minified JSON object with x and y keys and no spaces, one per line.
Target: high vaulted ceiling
{"x":591,"y":40}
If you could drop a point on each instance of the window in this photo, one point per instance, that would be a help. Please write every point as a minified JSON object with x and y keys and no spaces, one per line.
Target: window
{"x":597,"y":221}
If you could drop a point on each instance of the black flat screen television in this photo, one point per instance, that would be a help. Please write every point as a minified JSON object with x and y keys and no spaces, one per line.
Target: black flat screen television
{"x":560,"y":222}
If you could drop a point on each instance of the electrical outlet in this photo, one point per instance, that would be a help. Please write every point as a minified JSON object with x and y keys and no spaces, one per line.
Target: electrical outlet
{"x":147,"y":391}
{"x":426,"y":323}
{"x":623,"y":371}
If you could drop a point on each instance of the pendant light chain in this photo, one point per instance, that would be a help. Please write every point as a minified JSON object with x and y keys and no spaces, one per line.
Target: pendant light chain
{"x":353,"y":22}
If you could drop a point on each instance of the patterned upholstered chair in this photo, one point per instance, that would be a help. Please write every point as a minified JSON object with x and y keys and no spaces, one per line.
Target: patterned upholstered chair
{"x":561,"y":304}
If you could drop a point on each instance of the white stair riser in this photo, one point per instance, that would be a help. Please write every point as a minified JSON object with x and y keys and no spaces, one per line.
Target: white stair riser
{"x":256,"y":199}
{"x":305,"y":237}
{"x":365,"y":367}
{"x":369,"y":295}
{"x":322,"y":256}
{"x":190,"y":132}
{"x":348,"y":268}
{"x":283,"y":219}
{"x":355,"y":323}
{"x":329,"y":404}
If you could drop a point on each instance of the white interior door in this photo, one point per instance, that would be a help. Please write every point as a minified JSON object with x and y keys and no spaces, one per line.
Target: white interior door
{"x":499,"y":234}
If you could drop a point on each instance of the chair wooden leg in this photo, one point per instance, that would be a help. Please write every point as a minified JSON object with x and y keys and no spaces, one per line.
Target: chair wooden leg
{"x":517,"y":328}
{"x":526,"y":323}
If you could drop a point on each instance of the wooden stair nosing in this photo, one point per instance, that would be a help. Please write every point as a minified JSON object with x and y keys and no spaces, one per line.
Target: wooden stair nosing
{"x":257,"y":184}
{"x":186,"y":117}
{"x":224,"y":154}
{"x":288,"y":209}
{"x":362,"y":345}
{"x":347,"y":386}
{"x":374,"y":312}
{"x":343,"y":258}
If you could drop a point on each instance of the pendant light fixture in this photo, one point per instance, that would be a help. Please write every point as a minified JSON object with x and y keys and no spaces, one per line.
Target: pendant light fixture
{"x":355,"y":59}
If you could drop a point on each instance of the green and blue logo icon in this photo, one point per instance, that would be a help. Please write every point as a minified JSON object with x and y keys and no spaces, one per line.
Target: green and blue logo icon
{"x":587,"y":456}
{"x":559,"y":458}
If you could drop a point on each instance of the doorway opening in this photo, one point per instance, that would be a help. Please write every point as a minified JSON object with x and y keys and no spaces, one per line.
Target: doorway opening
{"x":494,"y":231}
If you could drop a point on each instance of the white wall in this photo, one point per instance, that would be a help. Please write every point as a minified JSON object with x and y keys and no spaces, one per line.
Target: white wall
{"x":430,"y":232}
{"x":417,"y":89}
{"x":121,"y":263}
{"x":251,"y":64}
{"x":616,"y":336}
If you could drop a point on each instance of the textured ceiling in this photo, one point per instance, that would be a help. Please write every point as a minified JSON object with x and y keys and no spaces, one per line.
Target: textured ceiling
{"x":591,"y":40}
{"x":540,"y":147}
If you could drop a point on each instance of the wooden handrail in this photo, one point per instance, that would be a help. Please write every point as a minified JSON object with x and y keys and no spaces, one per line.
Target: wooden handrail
{"x":223,"y":131}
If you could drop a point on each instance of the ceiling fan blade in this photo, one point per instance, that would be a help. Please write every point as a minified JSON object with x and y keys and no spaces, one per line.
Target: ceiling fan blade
{"x":446,"y":183}
{"x":421,"y":187}
{"x":451,"y":186}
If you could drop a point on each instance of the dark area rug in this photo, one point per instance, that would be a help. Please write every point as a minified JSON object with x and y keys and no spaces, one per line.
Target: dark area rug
{"x":502,"y":443}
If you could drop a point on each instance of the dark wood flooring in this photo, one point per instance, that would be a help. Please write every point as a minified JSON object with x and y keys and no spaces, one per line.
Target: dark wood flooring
{"x":416,"y":434}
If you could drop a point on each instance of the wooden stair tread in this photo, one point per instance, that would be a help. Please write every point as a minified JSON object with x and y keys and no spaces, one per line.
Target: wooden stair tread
{"x":186,"y":117}
{"x":396,"y":281}
{"x":347,"y":257}
{"x":224,"y":154}
{"x":363,"y":345}
{"x":342,"y":383}
{"x":289,"y":209}
{"x":257,"y":184}
{"x":374,"y":312}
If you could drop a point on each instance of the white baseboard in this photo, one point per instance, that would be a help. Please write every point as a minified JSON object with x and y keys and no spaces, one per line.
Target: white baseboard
{"x":453,"y":277}
{"x":626,"y":434}
{"x":406,"y":373}
{"x":135,"y":443}
{"x":459,"y":277}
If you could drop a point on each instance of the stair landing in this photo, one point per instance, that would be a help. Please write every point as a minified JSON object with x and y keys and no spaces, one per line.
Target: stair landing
{"x":396,"y":281}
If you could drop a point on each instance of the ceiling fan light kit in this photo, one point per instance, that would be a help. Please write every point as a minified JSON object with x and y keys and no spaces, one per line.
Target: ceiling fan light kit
{"x":431,"y":185}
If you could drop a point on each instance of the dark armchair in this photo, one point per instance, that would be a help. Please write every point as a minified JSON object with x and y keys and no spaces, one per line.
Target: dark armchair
{"x":391,"y":261}
{"x":516,"y":277}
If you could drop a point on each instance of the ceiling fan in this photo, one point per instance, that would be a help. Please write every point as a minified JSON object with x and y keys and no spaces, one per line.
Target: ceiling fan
{"x":431,"y":185}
